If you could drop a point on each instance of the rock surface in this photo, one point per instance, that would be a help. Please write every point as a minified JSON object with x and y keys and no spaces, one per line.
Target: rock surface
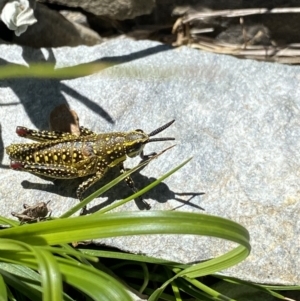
{"x":116,"y":9}
{"x":239,"y":119}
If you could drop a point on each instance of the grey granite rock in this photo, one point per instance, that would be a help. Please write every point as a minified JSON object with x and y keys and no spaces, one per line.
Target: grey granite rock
{"x":242,"y":292}
{"x":239,"y":119}
{"x":116,"y":9}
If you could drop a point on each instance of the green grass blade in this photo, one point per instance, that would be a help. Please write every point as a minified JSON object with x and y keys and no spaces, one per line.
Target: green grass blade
{"x":263,"y":288}
{"x":209,"y":291}
{"x":3,"y":291}
{"x":67,"y":250}
{"x":222,"y":262}
{"x":132,"y":257}
{"x":47,"y":70}
{"x":191,"y":290}
{"x":8,"y":222}
{"x":142,"y":191}
{"x":137,"y":223}
{"x":127,"y":223}
{"x":23,"y":287}
{"x":94,"y":283}
{"x":50,"y":274}
{"x":49,"y":271}
{"x":174,"y":286}
{"x":20,"y":271}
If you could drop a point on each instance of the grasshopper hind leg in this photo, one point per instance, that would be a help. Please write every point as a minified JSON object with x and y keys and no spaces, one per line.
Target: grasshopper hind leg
{"x":55,"y":171}
{"x":42,"y":136}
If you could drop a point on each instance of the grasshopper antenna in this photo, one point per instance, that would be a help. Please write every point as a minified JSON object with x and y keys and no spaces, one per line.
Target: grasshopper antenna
{"x":160,"y":129}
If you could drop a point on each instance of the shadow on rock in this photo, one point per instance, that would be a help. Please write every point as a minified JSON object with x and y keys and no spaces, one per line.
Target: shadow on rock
{"x":34,"y":93}
{"x":2,"y":150}
{"x":160,"y":193}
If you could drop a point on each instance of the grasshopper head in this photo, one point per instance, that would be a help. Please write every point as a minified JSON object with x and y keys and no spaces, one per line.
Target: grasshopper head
{"x":136,"y":140}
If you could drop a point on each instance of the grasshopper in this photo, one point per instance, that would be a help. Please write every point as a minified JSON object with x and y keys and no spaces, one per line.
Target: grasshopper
{"x":61,"y":155}
{"x":33,"y":213}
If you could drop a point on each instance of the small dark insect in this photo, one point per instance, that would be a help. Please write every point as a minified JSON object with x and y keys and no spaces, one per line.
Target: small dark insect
{"x":33,"y":213}
{"x":62,"y":155}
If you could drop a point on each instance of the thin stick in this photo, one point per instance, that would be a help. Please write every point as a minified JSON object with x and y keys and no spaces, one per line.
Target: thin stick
{"x":240,"y":12}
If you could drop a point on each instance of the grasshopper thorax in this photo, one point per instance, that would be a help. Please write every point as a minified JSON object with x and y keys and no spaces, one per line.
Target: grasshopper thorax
{"x":136,"y":140}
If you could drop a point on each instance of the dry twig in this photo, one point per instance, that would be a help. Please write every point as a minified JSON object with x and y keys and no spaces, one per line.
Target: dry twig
{"x":187,"y":35}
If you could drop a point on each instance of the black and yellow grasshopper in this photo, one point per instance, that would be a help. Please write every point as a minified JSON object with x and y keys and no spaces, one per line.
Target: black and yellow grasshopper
{"x":65,"y":156}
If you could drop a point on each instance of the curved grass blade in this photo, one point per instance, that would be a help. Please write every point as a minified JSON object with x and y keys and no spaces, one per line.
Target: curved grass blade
{"x":266,"y":289}
{"x":132,"y":257}
{"x":94,"y":283}
{"x":144,"y":190}
{"x":224,"y":261}
{"x":26,"y":289}
{"x":3,"y":291}
{"x":47,"y":70}
{"x":9,"y":222}
{"x":137,"y":223}
{"x":127,"y":223}
{"x":45,"y":263}
{"x":50,"y":275}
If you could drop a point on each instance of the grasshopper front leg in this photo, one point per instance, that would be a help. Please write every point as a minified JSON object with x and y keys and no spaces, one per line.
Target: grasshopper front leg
{"x":87,"y":184}
{"x":131,"y":185}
